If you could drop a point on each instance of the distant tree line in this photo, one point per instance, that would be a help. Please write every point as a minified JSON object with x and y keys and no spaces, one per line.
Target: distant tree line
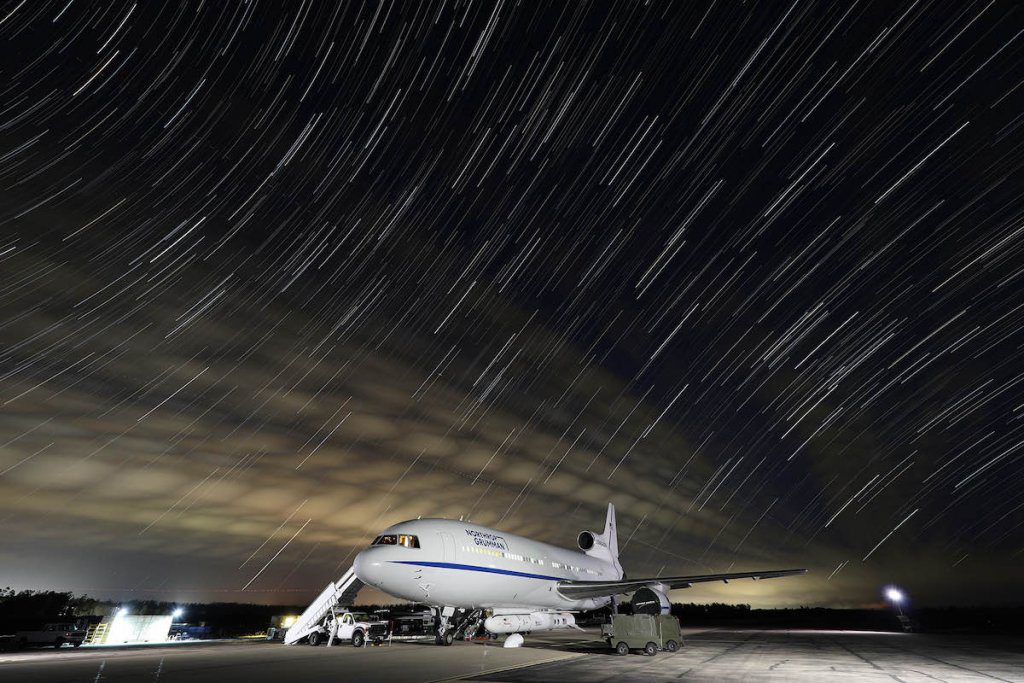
{"x":925,"y":619}
{"x":27,"y":609}
{"x":30,"y":609}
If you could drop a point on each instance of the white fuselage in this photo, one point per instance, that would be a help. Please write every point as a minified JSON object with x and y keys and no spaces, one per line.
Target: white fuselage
{"x":459,"y":564}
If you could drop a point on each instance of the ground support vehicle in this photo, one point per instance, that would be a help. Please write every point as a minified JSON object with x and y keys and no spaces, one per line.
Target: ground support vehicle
{"x":647,"y":632}
{"x":354,"y":627}
{"x":52,"y":635}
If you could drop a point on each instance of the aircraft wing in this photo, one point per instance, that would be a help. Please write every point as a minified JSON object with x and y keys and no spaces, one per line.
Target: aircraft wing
{"x":579,"y":590}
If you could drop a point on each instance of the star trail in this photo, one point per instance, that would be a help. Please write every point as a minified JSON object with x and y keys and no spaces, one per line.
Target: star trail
{"x":276,"y":275}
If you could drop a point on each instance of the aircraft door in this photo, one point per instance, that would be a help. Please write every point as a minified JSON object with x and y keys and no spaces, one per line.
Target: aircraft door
{"x":447,"y":546}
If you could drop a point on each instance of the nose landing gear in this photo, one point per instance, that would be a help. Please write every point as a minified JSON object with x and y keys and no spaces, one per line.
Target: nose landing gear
{"x":448,"y":625}
{"x":444,"y":629}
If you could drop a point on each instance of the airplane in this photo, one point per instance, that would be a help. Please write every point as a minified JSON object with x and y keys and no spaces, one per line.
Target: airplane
{"x":513,"y":584}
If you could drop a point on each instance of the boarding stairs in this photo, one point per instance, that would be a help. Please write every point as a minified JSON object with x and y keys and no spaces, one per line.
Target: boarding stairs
{"x":340,"y":592}
{"x":97,"y":633}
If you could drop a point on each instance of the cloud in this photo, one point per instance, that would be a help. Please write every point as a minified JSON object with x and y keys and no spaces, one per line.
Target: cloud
{"x":200,"y":450}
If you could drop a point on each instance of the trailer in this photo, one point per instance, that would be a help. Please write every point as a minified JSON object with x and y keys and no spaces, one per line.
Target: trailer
{"x":647,"y":632}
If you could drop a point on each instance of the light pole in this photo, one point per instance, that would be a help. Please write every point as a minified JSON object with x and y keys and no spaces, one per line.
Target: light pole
{"x":896,"y":597}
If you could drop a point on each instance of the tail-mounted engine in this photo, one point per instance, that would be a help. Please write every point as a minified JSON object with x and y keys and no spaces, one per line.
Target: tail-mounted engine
{"x":585,"y":540}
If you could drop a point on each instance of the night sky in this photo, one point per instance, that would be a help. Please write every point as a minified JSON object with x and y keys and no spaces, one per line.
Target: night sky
{"x":275,"y":276}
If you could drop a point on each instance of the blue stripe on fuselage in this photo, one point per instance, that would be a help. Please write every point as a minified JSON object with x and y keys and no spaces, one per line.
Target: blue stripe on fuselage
{"x":474,"y":568}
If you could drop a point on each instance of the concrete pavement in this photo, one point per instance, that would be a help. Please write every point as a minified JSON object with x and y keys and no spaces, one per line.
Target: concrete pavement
{"x":711,"y":655}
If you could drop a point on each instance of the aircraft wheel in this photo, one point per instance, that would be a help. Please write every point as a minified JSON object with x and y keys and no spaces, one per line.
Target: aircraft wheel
{"x":622,"y":649}
{"x":449,"y":638}
{"x":650,"y":649}
{"x":671,"y":646}
{"x":314,"y":638}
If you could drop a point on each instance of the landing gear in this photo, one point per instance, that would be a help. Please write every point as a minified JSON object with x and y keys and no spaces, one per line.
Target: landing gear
{"x":444,"y":633}
{"x":470,"y":626}
{"x":451,"y":624}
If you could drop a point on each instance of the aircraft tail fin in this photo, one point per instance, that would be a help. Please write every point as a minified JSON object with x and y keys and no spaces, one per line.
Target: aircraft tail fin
{"x":611,"y":538}
{"x":607,"y":546}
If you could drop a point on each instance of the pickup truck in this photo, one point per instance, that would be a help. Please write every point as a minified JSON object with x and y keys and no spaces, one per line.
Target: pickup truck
{"x":52,"y":635}
{"x":356,"y":627}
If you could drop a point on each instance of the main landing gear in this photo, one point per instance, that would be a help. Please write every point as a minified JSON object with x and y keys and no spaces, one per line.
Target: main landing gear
{"x":451,"y":624}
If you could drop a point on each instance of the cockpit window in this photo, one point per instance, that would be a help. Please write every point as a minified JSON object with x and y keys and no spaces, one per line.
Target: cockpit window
{"x":406,"y":540}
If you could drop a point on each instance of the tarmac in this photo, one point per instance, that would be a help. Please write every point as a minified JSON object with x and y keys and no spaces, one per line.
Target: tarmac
{"x":747,"y":655}
{"x":707,"y":655}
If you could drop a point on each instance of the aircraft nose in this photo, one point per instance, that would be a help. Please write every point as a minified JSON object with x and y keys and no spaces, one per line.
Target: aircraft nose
{"x":363,"y":567}
{"x":358,"y":566}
